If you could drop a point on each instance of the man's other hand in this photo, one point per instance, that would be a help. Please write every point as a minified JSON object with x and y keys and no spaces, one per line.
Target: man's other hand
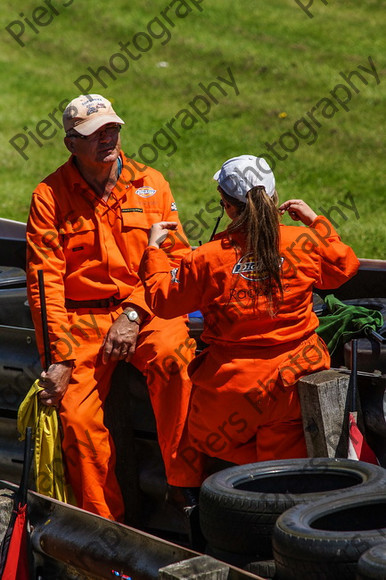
{"x":54,"y":382}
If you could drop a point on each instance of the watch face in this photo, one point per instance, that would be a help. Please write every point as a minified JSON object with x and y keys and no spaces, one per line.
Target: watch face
{"x":133,"y":315}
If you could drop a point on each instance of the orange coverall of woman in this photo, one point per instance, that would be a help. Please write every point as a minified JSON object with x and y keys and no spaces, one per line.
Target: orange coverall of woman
{"x":90,"y":249}
{"x":245,"y":406}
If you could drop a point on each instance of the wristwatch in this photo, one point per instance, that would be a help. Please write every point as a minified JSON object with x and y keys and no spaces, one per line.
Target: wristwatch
{"x":132,"y":315}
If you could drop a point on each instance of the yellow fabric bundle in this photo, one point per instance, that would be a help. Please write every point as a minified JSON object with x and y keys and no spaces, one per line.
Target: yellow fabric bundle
{"x":48,"y":461}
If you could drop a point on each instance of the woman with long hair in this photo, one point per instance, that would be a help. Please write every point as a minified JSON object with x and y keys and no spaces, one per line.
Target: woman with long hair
{"x":253,"y":284}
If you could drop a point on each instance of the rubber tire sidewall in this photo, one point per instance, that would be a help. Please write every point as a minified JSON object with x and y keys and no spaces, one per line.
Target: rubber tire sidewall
{"x":302,"y":551}
{"x":372,"y":563}
{"x":242,"y":522}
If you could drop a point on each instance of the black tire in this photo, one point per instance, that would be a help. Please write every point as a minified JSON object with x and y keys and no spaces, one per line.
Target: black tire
{"x":324,"y":540}
{"x":372,"y":564}
{"x":239,"y":505}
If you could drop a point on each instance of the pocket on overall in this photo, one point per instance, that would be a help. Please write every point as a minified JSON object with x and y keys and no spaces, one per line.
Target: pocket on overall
{"x":310,"y":356}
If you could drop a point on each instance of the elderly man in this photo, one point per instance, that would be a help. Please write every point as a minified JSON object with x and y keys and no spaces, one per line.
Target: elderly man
{"x":87,"y":230}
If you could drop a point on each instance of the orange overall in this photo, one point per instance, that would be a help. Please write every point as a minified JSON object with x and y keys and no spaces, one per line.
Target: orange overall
{"x":90,"y":250}
{"x":244,"y":405}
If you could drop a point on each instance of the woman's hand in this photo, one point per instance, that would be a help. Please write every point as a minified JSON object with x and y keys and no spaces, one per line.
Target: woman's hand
{"x":299,"y":211}
{"x":159,"y":232}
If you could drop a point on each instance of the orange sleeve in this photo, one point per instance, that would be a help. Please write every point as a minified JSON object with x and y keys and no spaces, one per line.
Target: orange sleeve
{"x":176,"y":245}
{"x":169,"y":291}
{"x":44,"y":251}
{"x":137,"y":298}
{"x":338,"y":262}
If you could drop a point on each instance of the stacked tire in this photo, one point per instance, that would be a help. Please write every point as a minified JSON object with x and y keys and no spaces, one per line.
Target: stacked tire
{"x":325,"y":540}
{"x":372,"y":564}
{"x":239,"y":506}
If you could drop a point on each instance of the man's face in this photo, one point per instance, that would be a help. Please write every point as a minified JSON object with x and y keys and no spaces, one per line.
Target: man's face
{"x":102,"y":146}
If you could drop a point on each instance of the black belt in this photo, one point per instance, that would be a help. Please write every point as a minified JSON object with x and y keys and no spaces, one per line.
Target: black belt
{"x":104,"y":303}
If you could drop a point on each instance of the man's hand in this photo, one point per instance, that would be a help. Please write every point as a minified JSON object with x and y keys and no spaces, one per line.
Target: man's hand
{"x":298,"y":210}
{"x":55,"y":382}
{"x":159,"y":232}
{"x":121,"y":340}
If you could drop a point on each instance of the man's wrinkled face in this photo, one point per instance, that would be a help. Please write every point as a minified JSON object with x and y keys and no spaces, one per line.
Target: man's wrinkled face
{"x":102,"y":146}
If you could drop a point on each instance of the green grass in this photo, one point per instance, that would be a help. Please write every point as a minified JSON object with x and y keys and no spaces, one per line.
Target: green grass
{"x":282,"y":62}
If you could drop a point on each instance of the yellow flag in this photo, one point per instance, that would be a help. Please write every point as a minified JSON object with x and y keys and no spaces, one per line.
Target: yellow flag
{"x":48,"y":460}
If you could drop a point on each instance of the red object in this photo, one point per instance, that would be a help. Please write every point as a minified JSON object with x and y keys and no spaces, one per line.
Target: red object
{"x":15,"y":550}
{"x":358,"y":447}
{"x":17,"y":566}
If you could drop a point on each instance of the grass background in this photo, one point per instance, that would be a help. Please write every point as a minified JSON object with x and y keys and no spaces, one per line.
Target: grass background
{"x":283,"y":62}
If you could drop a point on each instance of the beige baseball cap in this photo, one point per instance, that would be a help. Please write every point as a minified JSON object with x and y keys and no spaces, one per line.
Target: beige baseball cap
{"x":240,"y":174}
{"x":87,"y":113}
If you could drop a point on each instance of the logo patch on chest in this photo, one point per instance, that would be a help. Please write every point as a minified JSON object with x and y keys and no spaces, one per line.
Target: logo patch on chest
{"x":145,"y":191}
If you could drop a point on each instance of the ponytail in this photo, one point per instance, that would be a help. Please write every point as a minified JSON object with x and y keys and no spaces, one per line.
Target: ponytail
{"x":258,"y":220}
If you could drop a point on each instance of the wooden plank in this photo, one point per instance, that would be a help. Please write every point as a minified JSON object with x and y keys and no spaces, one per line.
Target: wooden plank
{"x":325,"y":402}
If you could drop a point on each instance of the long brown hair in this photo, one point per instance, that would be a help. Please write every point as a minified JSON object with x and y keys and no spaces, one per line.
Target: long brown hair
{"x":258,"y":220}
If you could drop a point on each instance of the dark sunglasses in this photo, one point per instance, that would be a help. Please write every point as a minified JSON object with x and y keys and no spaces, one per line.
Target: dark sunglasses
{"x":109,"y":130}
